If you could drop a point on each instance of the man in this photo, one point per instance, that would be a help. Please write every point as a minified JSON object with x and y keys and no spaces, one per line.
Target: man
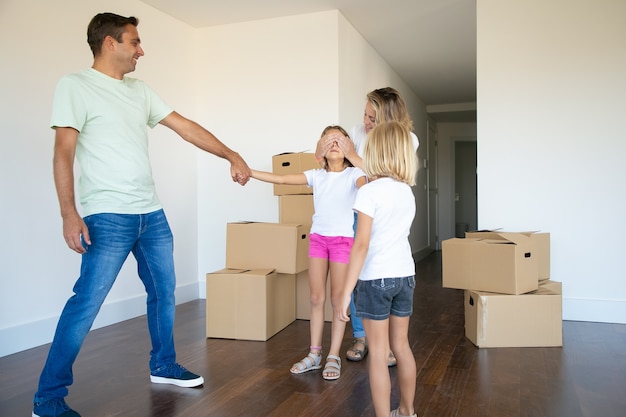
{"x":100,"y":117}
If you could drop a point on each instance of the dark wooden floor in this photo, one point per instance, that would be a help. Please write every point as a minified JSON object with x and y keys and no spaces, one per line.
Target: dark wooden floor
{"x":587,"y":377}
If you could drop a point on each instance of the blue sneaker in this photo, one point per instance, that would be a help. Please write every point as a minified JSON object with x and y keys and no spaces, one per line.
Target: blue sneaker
{"x":55,"y":407}
{"x":176,"y":374}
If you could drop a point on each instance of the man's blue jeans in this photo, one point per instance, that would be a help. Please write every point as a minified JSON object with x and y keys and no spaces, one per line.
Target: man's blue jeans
{"x":113,"y":237}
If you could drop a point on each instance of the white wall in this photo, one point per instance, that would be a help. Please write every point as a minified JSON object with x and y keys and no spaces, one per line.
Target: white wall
{"x":262,"y":87}
{"x":271,"y":88}
{"x":551,"y":139}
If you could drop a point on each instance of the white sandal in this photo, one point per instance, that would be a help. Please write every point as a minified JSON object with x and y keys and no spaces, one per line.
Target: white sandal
{"x":310,"y":362}
{"x":334,"y":367}
{"x":396,"y":413}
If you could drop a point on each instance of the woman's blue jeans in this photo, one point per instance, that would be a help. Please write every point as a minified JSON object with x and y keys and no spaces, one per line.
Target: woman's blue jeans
{"x":113,"y":237}
{"x":357,"y":322}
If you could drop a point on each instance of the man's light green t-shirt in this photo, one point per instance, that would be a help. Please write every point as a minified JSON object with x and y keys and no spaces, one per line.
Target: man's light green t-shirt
{"x":111,"y":117}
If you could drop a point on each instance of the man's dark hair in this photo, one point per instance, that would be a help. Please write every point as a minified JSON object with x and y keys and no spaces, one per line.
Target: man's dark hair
{"x":107,"y":24}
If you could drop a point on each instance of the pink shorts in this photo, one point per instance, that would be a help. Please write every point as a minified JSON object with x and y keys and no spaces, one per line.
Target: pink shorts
{"x":333,"y":248}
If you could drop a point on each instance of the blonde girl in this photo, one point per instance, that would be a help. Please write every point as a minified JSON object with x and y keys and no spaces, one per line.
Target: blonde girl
{"x":382,"y":269}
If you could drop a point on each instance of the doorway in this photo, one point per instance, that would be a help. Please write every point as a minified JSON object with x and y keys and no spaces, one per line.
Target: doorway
{"x":465,"y":186}
{"x":433,"y":203}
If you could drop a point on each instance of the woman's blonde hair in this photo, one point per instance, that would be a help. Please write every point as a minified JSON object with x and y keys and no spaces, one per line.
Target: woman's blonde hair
{"x":390,"y":106}
{"x":389,"y":152}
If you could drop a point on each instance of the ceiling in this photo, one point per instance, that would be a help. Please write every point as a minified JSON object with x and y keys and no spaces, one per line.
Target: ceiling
{"x":431,"y":44}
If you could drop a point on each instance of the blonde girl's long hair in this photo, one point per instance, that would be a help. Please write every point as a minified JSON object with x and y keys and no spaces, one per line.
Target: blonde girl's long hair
{"x":389,"y":152}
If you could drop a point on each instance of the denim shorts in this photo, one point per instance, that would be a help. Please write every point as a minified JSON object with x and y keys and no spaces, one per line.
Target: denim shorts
{"x":379,"y":298}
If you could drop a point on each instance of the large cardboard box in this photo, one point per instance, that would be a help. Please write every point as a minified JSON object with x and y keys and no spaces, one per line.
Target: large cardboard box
{"x":284,"y":247}
{"x":527,"y":320}
{"x":249,"y":304}
{"x":505,"y":265}
{"x":295,"y":209}
{"x":303,"y":298}
{"x":539,"y":240}
{"x":293,"y":163}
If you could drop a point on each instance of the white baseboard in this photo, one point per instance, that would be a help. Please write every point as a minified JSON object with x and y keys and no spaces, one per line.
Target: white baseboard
{"x":603,"y":311}
{"x":40,"y":332}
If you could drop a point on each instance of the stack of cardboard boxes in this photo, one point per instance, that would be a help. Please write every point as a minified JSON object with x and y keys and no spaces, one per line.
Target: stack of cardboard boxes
{"x":509,"y":298}
{"x":255,"y":296}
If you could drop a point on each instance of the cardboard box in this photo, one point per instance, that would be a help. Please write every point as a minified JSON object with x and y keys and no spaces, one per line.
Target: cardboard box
{"x":527,"y":320}
{"x":303,"y":298}
{"x":296,"y":209}
{"x":505,"y":265}
{"x":293,"y":163}
{"x":284,"y":247}
{"x":539,"y":240}
{"x":249,"y":304}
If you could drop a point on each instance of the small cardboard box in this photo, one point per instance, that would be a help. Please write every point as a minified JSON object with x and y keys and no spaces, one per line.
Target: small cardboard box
{"x":293,"y":163}
{"x":284,"y":247}
{"x":505,"y":265}
{"x":527,"y":320}
{"x":249,"y":304}
{"x":539,"y":240}
{"x":295,"y":209}
{"x":303,"y":298}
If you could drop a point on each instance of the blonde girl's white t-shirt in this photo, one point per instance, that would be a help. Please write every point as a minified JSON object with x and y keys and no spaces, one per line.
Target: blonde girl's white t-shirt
{"x":359,"y":137}
{"x":111,"y":117}
{"x":391,"y":205}
{"x":333,"y":197}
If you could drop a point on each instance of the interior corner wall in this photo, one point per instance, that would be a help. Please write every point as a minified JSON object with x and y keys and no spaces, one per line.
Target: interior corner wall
{"x":272,"y":88}
{"x":266,"y":87}
{"x":551,"y":141}
{"x":361,"y":70}
{"x":38,"y":270}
